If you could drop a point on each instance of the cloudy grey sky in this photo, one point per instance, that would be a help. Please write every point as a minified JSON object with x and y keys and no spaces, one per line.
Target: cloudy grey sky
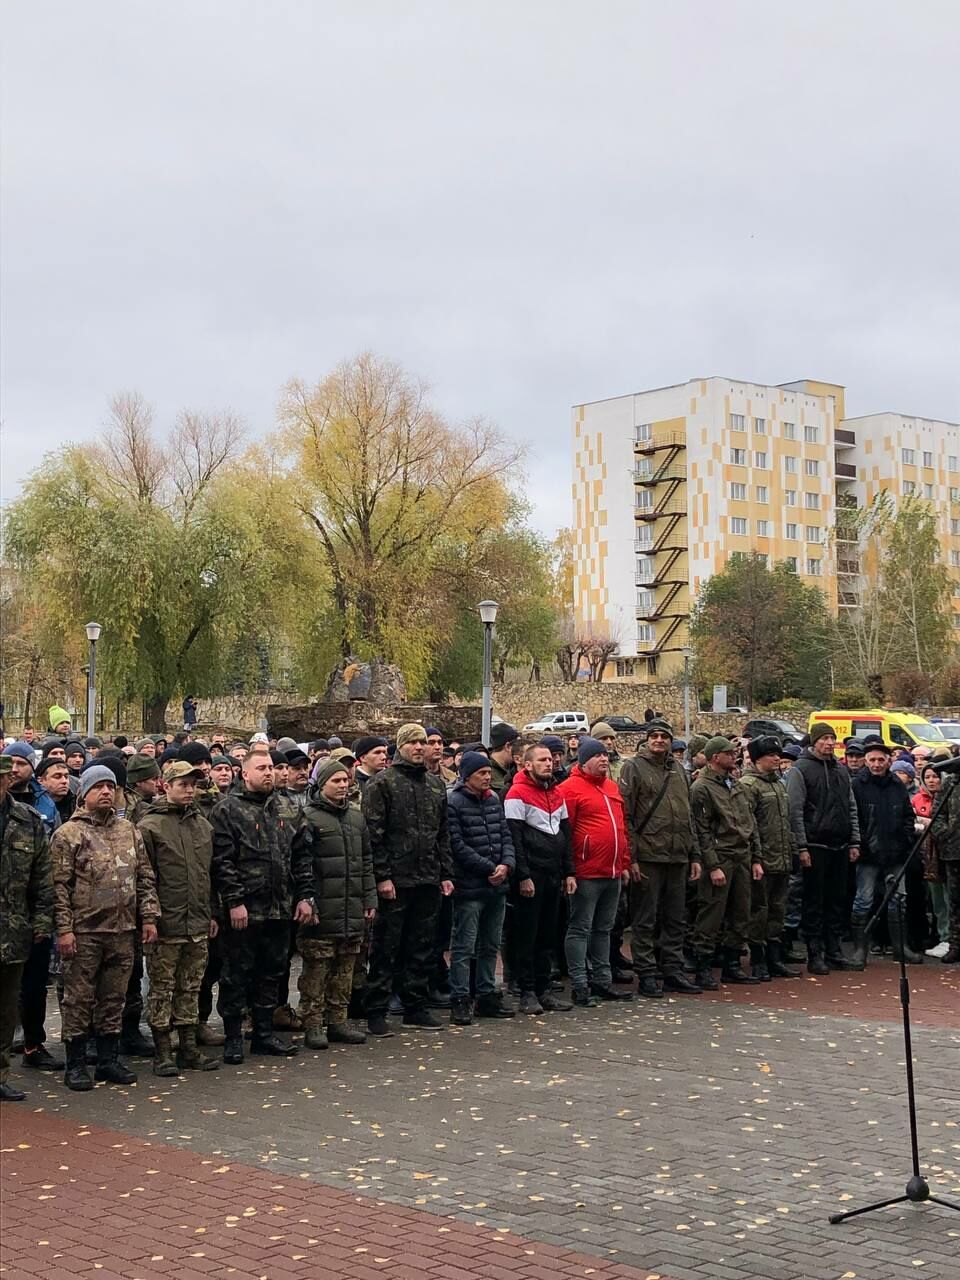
{"x":530,"y":203}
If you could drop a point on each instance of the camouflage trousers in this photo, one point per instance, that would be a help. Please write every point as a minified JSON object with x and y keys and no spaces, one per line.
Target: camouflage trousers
{"x":326,"y":978}
{"x":175,"y":968}
{"x":95,"y":984}
{"x":11,"y":976}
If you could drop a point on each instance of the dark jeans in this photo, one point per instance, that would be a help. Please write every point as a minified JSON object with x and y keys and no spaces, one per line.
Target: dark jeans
{"x":133,"y":1002}
{"x":254,"y":960}
{"x":593,"y":910}
{"x":33,"y":993}
{"x":534,"y":929}
{"x":477,"y":929}
{"x":661,"y":895}
{"x":404,"y":940}
{"x":441,"y":979}
{"x":825,"y":897}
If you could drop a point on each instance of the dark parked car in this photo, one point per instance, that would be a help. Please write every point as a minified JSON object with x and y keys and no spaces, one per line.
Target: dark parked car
{"x":624,"y":724}
{"x":781,"y":729}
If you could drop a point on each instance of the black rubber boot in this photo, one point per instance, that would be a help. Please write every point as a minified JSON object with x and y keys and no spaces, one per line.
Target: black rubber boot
{"x":109,"y":1066}
{"x":815,"y":961}
{"x":732,"y":972}
{"x":265,"y":1039}
{"x":898,"y":938}
{"x":833,"y":953}
{"x":775,"y":962}
{"x":233,"y":1041}
{"x":792,"y":954}
{"x":163,"y":1063}
{"x":705,"y":978}
{"x":76,"y":1076}
{"x":858,"y":929}
{"x":133,"y":1042}
{"x":758,"y":961}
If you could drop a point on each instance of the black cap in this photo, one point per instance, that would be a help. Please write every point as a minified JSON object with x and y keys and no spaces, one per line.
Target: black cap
{"x":196,"y":753}
{"x":501,"y":735}
{"x":768,"y":745}
{"x":297,"y":756}
{"x":279,"y":757}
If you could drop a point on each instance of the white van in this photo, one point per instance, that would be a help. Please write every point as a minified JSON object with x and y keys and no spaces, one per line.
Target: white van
{"x":562,"y":723}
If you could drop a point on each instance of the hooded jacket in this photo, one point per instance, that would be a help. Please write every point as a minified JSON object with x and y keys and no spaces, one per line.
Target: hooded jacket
{"x":479,"y":841}
{"x":337,"y":873}
{"x":885,"y":819}
{"x":179,"y":844}
{"x":668,"y":835}
{"x":823,"y":811}
{"x":102,"y":878}
{"x":601,"y":850}
{"x":539,"y":826}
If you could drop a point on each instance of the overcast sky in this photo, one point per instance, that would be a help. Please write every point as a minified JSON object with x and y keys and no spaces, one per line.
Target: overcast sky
{"x":531,"y":204}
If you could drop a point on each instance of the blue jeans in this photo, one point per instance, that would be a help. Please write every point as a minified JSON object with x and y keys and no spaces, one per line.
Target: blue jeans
{"x":477,"y":929}
{"x":871,"y":885}
{"x":593,"y":909}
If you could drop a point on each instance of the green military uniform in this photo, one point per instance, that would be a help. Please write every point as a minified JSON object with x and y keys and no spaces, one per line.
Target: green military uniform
{"x":179,"y":844}
{"x":727,"y":836}
{"x":26,"y":905}
{"x":103,"y":885}
{"x":656,"y":796}
{"x":770,"y":805}
{"x":945,"y":831}
{"x":501,"y":777}
{"x":207,"y":795}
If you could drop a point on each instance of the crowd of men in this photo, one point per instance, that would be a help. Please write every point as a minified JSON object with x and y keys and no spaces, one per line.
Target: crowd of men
{"x":417,"y":877}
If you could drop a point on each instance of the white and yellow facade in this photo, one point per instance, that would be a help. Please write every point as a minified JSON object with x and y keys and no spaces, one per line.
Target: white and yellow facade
{"x":669,"y":483}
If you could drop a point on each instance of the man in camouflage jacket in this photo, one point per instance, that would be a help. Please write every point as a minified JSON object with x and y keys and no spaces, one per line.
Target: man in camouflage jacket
{"x":104,"y":887}
{"x":26,"y":907}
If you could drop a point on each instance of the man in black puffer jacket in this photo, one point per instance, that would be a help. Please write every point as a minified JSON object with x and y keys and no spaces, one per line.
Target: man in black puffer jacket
{"x":887,"y":833}
{"x":483,"y":858}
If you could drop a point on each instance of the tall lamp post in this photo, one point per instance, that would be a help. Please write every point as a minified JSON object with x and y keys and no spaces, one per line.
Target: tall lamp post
{"x":93,"y":635}
{"x":687,"y":656}
{"x":488,"y":616}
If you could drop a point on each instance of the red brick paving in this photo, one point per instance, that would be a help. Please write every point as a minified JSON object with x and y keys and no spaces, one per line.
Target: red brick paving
{"x":873,"y":996}
{"x":81,"y":1201}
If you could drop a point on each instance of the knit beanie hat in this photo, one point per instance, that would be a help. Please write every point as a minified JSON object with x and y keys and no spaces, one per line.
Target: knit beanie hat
{"x":94,"y":774}
{"x":335,"y":742}
{"x":171,"y":753}
{"x":142,"y":769}
{"x":195,"y":753}
{"x":590,"y":747}
{"x":821,"y":730}
{"x":286,"y":744}
{"x":93,"y":741}
{"x":142,"y":742}
{"x":602,"y":730}
{"x":696,"y":745}
{"x":216,"y":761}
{"x":114,"y":764}
{"x":22,"y":750}
{"x":49,"y":744}
{"x":470,"y":762}
{"x":368,"y":743}
{"x":659,"y":725}
{"x":57,"y":716}
{"x":501,"y":734}
{"x":904,"y":766}
{"x":327,"y":769}
{"x":552,"y":742}
{"x":46,"y":763}
{"x":74,"y":748}
{"x":715,"y":745}
{"x":277,"y":757}
{"x":410,"y":733}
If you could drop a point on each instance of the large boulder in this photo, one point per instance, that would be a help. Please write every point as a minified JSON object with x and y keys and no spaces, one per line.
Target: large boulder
{"x":376,"y":681}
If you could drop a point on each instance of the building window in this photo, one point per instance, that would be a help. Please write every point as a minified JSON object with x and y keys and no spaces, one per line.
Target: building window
{"x":811,"y":467}
{"x":763,"y":528}
{"x":738,"y":526}
{"x":763,"y":558}
{"x":646,"y":633}
{"x":643,"y":500}
{"x":952,"y":463}
{"x":954,"y":493}
{"x":908,"y":456}
{"x":789,"y":431}
{"x":763,"y":494}
{"x":813,"y":533}
{"x":644,"y":569}
{"x":789,"y":497}
{"x":738,"y":457}
{"x":908,"y":488}
{"x":790,"y":532}
{"x":760,"y":460}
{"x":790,"y":465}
{"x":625,"y":667}
{"x":760,"y":426}
{"x":927,"y":459}
{"x":737,"y":422}
{"x":954,"y":527}
{"x":956,"y":619}
{"x":928,"y":492}
{"x":738,"y":492}
{"x":643,"y":432}
{"x":645,"y":599}
{"x":813,"y":568}
{"x":791,"y":563}
{"x":737,"y":556}
{"x":811,"y":501}
{"x":811,"y":435}
{"x":955,"y":559}
{"x":644,"y":538}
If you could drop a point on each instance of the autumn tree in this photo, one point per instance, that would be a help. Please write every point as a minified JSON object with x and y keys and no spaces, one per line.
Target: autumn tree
{"x":761,"y":630}
{"x":159,"y":539}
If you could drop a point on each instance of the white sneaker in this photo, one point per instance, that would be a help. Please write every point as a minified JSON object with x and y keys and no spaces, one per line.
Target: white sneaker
{"x":939,"y":951}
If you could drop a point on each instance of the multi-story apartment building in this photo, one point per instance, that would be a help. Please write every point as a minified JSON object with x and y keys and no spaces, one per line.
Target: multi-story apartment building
{"x":669,"y":483}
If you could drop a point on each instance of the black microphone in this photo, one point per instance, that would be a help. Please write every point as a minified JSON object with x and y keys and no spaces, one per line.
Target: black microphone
{"x":944,"y":766}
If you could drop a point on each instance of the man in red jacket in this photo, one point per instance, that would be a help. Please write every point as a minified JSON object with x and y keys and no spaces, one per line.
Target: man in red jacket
{"x":601,"y":863}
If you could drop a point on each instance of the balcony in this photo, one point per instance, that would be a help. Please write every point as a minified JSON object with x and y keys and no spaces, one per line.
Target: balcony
{"x":850,"y":568}
{"x":845,"y":471}
{"x":663,"y":476}
{"x":846,"y":532}
{"x":660,"y":440}
{"x":675,"y":507}
{"x":844,"y":439}
{"x":848,"y":599}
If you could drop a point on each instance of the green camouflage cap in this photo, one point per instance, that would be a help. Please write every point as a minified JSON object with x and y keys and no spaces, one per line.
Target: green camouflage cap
{"x":6,"y":764}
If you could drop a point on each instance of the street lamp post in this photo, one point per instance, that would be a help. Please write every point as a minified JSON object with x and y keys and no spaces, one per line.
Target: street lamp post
{"x":687,"y":655}
{"x":93,"y":635}
{"x":488,"y":616}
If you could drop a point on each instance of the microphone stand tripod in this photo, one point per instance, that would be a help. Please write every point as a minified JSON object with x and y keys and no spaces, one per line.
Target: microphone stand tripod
{"x":917,"y":1190}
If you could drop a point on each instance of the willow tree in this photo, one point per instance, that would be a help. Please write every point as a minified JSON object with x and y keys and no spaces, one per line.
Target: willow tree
{"x":385,"y":484}
{"x":162,"y":540}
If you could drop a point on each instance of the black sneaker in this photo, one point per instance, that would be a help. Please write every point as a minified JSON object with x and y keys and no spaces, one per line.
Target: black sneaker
{"x":554,"y":1004}
{"x":494,"y":1007}
{"x":608,"y":993}
{"x":423,"y":1019}
{"x":377,"y":1025}
{"x":40,"y":1059}
{"x":529,"y":1003}
{"x":583,"y":999}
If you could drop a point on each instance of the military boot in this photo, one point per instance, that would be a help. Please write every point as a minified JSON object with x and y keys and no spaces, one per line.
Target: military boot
{"x":342,"y":1033}
{"x":189,"y":1056}
{"x":775,"y":961}
{"x":233,"y":1041}
{"x":704,"y":974}
{"x":76,"y":1076}
{"x":858,"y":928}
{"x":109,"y":1066}
{"x":163,"y":1063}
{"x":731,"y":971}
{"x":898,"y":939}
{"x":314,"y":1036}
{"x":265,"y":1040}
{"x":461,"y":1011}
{"x":791,"y":953}
{"x":207,"y":1036}
{"x":815,"y":961}
{"x":833,"y":953}
{"x":758,"y":962}
{"x":132,"y":1040}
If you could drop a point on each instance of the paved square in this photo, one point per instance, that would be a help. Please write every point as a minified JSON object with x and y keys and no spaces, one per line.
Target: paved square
{"x":684,"y":1138}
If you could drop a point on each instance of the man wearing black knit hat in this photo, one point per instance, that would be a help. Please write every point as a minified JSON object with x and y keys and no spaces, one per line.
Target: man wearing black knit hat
{"x":207,"y":792}
{"x":371,"y":755}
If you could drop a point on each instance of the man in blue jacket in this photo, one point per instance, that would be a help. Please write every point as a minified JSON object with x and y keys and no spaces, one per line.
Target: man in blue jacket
{"x":483,"y":859}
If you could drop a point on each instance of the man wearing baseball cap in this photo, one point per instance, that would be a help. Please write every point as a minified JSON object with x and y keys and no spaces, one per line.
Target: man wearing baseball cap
{"x":104,"y":890}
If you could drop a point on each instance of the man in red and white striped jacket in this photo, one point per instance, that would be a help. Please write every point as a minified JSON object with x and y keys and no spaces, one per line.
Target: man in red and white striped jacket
{"x":601,"y":864}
